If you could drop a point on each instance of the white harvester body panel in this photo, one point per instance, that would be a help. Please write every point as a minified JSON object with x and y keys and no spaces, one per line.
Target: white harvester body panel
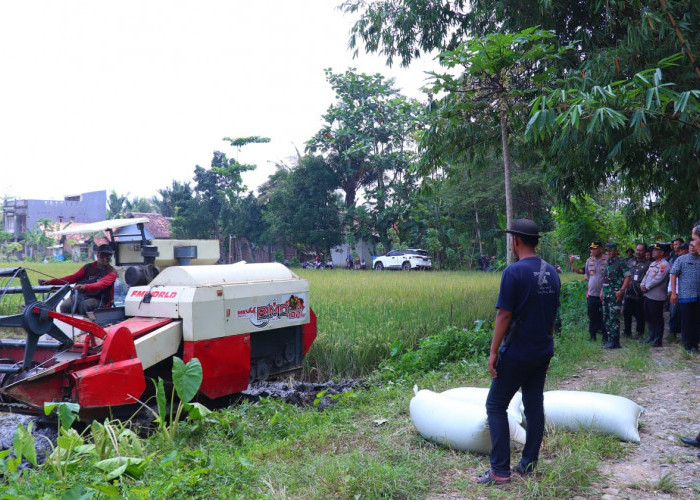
{"x":159,"y":344}
{"x":224,"y":300}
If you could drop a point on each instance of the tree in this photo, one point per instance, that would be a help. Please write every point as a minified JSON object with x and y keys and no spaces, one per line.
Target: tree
{"x":642,"y":131}
{"x":177,"y":194}
{"x":499,"y":72}
{"x":302,"y":208}
{"x":139,"y":205}
{"x":601,"y":122}
{"x":37,"y":240}
{"x":405,"y":29}
{"x":465,"y":209}
{"x":216,"y":196}
{"x":408,"y":29}
{"x":367,"y":132}
{"x":116,"y":205}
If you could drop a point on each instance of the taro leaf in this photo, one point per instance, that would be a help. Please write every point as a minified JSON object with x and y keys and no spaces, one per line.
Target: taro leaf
{"x":187,"y":378}
{"x":129,"y":442}
{"x":69,"y":439}
{"x":115,"y":473}
{"x":115,"y":467}
{"x":196,"y":411}
{"x":77,"y":492}
{"x":23,"y":443}
{"x":84,"y":449}
{"x":108,"y":490}
{"x":160,"y":399}
{"x":67,"y":412}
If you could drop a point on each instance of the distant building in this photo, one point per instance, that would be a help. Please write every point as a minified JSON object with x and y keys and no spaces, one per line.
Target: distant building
{"x":20,"y":216}
{"x":157,"y":227}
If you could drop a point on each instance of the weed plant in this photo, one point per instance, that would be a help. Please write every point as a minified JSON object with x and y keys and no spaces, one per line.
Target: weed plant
{"x":436,"y":351}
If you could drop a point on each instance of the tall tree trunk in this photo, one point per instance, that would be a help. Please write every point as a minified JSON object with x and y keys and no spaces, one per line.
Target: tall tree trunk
{"x":478,"y":230}
{"x":506,"y":172}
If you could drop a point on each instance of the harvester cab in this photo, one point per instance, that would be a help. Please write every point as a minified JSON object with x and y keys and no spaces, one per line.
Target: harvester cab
{"x":244,"y":322}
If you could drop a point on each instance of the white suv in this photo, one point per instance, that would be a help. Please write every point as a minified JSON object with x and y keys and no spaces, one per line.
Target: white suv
{"x":403,"y":259}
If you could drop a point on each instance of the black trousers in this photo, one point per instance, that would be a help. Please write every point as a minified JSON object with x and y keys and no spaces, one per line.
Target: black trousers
{"x":595,"y":316}
{"x":674,"y":319}
{"x":633,"y":308}
{"x":84,"y":305}
{"x":654,"y":315}
{"x":690,"y":324}
{"x":514,"y":374}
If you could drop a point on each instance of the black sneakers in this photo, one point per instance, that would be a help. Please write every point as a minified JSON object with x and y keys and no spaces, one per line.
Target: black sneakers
{"x":489,"y":479}
{"x":523,"y":470}
{"x":612,"y":345}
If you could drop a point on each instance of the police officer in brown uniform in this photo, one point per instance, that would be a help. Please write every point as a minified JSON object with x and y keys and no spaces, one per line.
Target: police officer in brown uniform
{"x":593,"y":271}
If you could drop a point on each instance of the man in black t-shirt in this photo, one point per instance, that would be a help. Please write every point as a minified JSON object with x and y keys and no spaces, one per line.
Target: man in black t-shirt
{"x":521,"y":359}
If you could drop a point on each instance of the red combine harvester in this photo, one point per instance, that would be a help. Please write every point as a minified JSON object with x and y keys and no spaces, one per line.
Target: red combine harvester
{"x":244,"y":322}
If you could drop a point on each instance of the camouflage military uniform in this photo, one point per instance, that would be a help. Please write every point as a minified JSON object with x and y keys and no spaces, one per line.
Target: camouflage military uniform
{"x":616,"y":270}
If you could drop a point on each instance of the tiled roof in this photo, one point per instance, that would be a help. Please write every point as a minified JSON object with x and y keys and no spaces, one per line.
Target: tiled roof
{"x":158,"y":225}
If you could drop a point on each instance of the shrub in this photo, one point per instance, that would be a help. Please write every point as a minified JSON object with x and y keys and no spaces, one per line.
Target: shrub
{"x":573,"y":303}
{"x":450,"y":345}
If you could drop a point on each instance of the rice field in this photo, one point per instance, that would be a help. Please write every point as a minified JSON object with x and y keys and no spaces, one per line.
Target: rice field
{"x":12,"y":304}
{"x":361,"y":314}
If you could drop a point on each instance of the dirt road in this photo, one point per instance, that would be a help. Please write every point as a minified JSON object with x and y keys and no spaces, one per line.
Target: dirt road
{"x":669,"y":393}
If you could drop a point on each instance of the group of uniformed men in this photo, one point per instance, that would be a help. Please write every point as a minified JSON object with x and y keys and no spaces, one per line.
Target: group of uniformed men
{"x":640,"y":287}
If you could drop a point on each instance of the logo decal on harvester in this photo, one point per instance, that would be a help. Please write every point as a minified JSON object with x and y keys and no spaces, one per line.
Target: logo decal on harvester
{"x":260,"y":316}
{"x":154,"y":294}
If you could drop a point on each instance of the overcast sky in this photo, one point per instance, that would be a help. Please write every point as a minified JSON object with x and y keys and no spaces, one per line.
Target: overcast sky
{"x":130,"y":95}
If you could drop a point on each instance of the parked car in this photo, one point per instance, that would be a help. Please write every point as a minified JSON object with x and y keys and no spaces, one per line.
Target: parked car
{"x":407,"y":260}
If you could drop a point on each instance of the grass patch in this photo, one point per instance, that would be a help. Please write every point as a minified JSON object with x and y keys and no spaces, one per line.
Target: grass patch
{"x":615,"y":386}
{"x":665,"y":484}
{"x":636,"y":359}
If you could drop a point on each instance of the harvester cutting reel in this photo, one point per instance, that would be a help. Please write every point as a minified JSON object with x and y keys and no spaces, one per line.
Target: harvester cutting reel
{"x":35,"y":319}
